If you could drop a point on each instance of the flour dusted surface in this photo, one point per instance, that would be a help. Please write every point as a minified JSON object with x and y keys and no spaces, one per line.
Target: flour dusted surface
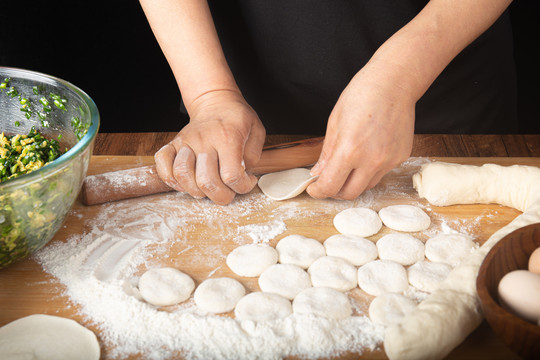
{"x":124,"y":239}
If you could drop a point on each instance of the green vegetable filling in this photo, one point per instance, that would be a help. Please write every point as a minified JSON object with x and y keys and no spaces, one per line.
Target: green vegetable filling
{"x":22,"y":154}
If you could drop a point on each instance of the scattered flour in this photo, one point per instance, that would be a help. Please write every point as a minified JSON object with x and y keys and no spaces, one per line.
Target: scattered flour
{"x":263,"y":233}
{"x":99,"y":270}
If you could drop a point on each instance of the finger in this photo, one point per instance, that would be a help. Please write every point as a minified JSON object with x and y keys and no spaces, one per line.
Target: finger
{"x":164,"y":159}
{"x":209,"y":180}
{"x":356,"y":184}
{"x":330,"y":181}
{"x":376,"y":179}
{"x":184,"y":171}
{"x":254,"y":145}
{"x":233,"y":174}
{"x":326,"y":153}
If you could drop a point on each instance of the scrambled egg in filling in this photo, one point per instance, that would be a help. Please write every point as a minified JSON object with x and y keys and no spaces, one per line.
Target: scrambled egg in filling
{"x":22,"y":154}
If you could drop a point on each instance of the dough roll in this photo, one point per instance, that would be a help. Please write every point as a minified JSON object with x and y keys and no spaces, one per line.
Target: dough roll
{"x":449,"y":314}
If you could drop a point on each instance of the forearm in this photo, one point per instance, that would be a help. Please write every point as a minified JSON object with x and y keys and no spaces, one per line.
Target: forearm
{"x":185,"y":31}
{"x":414,"y":56}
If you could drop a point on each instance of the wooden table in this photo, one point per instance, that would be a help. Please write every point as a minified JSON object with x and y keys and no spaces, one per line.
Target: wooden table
{"x":481,"y":344}
{"x":424,"y":145}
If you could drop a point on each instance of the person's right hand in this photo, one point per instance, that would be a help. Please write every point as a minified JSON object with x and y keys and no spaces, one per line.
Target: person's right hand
{"x":210,"y":155}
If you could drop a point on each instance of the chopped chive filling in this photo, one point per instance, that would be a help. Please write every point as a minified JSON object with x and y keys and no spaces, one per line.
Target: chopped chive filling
{"x":22,"y":154}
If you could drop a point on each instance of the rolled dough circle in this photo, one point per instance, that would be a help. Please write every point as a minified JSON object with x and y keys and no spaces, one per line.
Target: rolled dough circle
{"x":427,"y":276}
{"x":389,"y":308}
{"x":380,"y":276}
{"x":323,"y":302}
{"x":299,"y":250}
{"x":286,"y":280}
{"x":449,"y":248}
{"x":43,"y":337}
{"x":165,"y":286}
{"x":333,"y":272}
{"x":361,"y":222}
{"x":262,"y":306}
{"x":355,"y":249}
{"x":252,"y":259}
{"x":407,"y":218}
{"x":404,"y":249}
{"x":218,"y":295}
{"x":285,"y":184}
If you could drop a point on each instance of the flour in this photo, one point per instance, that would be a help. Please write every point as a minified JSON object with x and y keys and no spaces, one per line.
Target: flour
{"x":100,"y":268}
{"x":263,"y":233}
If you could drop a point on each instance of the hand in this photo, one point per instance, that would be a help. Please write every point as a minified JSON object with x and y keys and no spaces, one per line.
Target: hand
{"x":370,"y":131}
{"x":210,"y":155}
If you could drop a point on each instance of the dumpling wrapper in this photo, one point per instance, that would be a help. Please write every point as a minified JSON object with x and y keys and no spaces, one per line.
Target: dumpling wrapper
{"x":283,"y":185}
{"x":41,"y":337}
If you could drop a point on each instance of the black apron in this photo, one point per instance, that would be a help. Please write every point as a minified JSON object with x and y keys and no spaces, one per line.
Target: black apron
{"x":293,"y":58}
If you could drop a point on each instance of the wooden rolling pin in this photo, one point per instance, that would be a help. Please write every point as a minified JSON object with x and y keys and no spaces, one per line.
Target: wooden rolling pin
{"x":143,"y":181}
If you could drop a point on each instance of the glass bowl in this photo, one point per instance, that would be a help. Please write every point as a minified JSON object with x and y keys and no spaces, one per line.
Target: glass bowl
{"x":33,"y":206}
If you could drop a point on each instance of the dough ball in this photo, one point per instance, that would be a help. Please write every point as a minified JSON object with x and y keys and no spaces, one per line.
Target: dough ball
{"x":449,"y":248}
{"x":165,"y":286}
{"x":44,"y":337}
{"x":286,"y":280}
{"x":218,"y":295}
{"x":404,"y":249}
{"x":299,"y":250}
{"x":285,"y":184}
{"x":407,"y":218}
{"x":380,"y":276}
{"x":427,"y":276}
{"x":262,"y":306}
{"x":355,"y":249}
{"x":389,"y":308}
{"x":333,"y":272}
{"x":323,"y":302}
{"x":361,"y":222}
{"x":252,"y":259}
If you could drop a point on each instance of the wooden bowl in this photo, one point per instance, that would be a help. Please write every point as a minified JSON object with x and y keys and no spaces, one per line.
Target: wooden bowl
{"x":511,"y":253}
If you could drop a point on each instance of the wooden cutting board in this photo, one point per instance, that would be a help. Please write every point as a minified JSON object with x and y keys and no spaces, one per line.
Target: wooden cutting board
{"x":26,"y":289}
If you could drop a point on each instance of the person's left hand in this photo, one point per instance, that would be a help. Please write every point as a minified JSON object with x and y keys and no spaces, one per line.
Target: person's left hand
{"x":370,"y":131}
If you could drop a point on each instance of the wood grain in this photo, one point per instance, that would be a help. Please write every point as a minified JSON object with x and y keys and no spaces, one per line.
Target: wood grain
{"x":26,"y":289}
{"x":424,"y":145}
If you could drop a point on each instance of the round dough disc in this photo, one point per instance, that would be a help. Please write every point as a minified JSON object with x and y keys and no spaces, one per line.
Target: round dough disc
{"x":404,"y":249}
{"x":43,"y":337}
{"x":285,"y":184}
{"x":380,"y":276}
{"x":361,"y":222}
{"x":407,"y":218}
{"x":261,"y":306}
{"x":299,"y":250}
{"x":165,"y":286}
{"x":449,"y":248}
{"x":333,"y":272}
{"x":252,"y":259}
{"x":355,"y":249}
{"x":427,"y":276}
{"x":322,"y":302}
{"x":286,"y":280}
{"x":218,"y":295}
{"x":389,"y":308}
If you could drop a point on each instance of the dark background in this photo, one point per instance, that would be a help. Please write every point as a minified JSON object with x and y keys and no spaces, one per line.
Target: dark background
{"x":107,"y":48}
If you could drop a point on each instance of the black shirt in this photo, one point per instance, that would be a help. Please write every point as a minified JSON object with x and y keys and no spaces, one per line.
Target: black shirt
{"x":293,"y":58}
